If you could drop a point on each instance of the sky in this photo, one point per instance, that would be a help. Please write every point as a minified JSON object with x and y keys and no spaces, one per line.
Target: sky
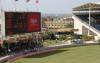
{"x":44,"y":6}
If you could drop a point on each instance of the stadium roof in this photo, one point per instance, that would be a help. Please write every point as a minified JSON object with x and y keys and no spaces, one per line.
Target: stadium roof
{"x":92,"y":6}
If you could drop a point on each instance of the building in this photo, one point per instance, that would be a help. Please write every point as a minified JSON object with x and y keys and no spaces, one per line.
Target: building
{"x":56,"y":25}
{"x":87,"y":19}
{"x":13,"y":15}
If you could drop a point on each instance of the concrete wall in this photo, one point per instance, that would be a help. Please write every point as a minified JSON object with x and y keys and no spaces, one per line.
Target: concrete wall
{"x":77,"y":25}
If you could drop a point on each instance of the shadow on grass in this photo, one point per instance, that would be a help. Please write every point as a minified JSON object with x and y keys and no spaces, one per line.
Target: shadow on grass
{"x":46,"y":54}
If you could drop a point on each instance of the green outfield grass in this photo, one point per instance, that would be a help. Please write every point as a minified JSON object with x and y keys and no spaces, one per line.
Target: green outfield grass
{"x":83,"y":54}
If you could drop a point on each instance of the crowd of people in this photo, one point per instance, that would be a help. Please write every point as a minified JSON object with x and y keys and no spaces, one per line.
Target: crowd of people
{"x":22,"y":43}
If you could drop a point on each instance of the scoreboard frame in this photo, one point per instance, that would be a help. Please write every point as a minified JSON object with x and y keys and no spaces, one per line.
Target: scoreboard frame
{"x":22,"y":22}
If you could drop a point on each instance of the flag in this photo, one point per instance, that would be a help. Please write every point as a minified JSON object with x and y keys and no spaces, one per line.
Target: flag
{"x":16,"y":0}
{"x":27,"y":0}
{"x":37,"y":1}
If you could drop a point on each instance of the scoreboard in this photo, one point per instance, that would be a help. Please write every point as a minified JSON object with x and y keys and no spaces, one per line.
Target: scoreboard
{"x":22,"y":22}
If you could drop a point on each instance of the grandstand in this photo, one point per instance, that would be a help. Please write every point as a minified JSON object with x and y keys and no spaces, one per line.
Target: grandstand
{"x":87,"y":19}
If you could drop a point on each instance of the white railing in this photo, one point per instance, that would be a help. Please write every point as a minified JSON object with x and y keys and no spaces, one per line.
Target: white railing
{"x":95,"y":30}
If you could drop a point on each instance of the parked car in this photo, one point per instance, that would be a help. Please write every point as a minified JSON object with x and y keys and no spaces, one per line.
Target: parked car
{"x":77,"y":41}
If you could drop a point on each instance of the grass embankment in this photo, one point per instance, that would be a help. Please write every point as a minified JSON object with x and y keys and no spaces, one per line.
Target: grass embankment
{"x":51,"y":42}
{"x":83,"y":54}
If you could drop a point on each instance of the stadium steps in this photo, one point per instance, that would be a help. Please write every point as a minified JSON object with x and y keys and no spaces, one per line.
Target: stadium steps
{"x":96,"y":31}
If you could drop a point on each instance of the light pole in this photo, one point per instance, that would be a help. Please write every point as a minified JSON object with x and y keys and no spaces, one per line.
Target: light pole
{"x":26,"y":4}
{"x":89,"y":18}
{"x":16,"y":3}
{"x":37,"y":5}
